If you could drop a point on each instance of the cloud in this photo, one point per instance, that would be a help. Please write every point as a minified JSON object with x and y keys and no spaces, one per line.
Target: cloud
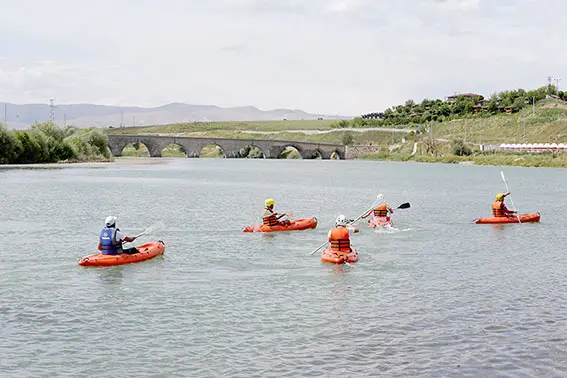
{"x":324,"y":56}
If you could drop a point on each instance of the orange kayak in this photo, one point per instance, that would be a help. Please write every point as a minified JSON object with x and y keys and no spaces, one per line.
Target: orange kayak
{"x":336,"y":257}
{"x":524,"y":218}
{"x":296,"y":225}
{"x":375,"y":222}
{"x":146,"y":252}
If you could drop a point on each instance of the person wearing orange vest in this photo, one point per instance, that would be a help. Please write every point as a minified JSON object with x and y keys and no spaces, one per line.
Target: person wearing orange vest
{"x":381,"y":212}
{"x":499,"y":209}
{"x":270,"y":217}
{"x":339,"y":237}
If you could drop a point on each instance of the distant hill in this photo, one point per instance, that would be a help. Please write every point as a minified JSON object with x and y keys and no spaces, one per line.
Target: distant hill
{"x":88,"y":115}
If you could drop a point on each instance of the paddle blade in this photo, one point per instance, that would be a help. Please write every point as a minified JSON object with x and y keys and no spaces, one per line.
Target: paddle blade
{"x":404,"y":206}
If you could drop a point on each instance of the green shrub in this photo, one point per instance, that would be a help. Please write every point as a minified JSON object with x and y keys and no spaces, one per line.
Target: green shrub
{"x":8,"y":151}
{"x":347,"y":139}
{"x":460,"y":148}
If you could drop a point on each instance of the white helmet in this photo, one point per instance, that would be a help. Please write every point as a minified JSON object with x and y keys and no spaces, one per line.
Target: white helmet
{"x":341,"y":220}
{"x":110,"y":221}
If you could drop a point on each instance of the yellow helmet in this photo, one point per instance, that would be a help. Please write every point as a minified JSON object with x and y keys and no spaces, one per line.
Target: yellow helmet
{"x":270,"y":202}
{"x":499,"y":197}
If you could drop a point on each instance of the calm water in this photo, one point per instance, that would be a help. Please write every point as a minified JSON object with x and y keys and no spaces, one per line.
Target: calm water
{"x":438,"y":297}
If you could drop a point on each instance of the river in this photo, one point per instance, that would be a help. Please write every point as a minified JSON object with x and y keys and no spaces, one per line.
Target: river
{"x":437,"y":296}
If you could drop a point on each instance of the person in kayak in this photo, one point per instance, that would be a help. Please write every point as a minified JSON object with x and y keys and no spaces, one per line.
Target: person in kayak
{"x":499,"y":209}
{"x":270,"y":217}
{"x":111,"y":239}
{"x":339,"y":237}
{"x":380,"y":212}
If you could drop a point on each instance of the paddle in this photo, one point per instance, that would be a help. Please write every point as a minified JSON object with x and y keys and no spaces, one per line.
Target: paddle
{"x":153,"y":228}
{"x":508,"y":190}
{"x":289,"y":215}
{"x":405,"y":205}
{"x":378,"y":199}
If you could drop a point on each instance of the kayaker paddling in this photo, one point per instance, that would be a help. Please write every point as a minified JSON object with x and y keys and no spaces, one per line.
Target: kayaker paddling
{"x":339,"y":236}
{"x":111,"y":239}
{"x":270,"y":217}
{"x":499,"y":208}
{"x":381,"y":214}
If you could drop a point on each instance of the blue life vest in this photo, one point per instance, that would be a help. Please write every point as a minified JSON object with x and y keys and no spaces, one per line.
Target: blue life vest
{"x":107,"y":238}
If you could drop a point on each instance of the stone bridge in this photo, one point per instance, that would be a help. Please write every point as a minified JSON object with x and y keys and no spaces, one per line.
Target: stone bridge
{"x":231,"y":147}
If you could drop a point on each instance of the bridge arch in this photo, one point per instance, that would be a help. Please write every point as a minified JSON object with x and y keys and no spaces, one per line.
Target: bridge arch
{"x":291,"y":152}
{"x":135,"y":149}
{"x":174,"y":150}
{"x":252,"y":151}
{"x":316,"y":154}
{"x":233,"y":148}
{"x":336,"y":155}
{"x":212,"y":150}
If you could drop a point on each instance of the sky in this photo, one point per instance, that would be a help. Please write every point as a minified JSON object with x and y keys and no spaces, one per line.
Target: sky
{"x":345,"y":57}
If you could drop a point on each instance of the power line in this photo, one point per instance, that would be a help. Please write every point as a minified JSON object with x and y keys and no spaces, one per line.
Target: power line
{"x":52,"y":110}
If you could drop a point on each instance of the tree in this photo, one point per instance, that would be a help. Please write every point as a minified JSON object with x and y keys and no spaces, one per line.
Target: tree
{"x":460,"y":148}
{"x":7,"y":146}
{"x":28,"y":149}
{"x":347,"y":139}
{"x":431,"y":146}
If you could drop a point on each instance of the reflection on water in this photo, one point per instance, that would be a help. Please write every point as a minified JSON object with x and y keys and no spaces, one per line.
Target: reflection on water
{"x":110,"y":275}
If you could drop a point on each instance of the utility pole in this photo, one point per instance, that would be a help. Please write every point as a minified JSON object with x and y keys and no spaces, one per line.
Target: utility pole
{"x":121,"y":118}
{"x":533,"y":105}
{"x":134,"y":121}
{"x":557,"y":80}
{"x":549,"y":84}
{"x":52,"y":110}
{"x":524,"y":129}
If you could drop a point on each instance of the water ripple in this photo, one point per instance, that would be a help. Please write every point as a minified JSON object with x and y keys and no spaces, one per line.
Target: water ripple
{"x":436,"y":297}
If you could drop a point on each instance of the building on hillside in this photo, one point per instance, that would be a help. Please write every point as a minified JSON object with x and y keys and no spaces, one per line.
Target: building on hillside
{"x":465,"y":95}
{"x":376,"y":115}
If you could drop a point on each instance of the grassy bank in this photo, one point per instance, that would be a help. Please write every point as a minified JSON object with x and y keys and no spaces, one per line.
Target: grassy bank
{"x":544,"y":123}
{"x":182,"y":128}
{"x":547,"y":124}
{"x":556,"y":160}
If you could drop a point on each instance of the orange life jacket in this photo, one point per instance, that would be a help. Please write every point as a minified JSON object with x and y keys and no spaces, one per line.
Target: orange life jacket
{"x":270,"y":220}
{"x":381,"y":211}
{"x":340,"y":239}
{"x":498,"y":209}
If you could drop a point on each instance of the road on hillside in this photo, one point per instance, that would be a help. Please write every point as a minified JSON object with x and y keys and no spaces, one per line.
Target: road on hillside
{"x":316,"y":132}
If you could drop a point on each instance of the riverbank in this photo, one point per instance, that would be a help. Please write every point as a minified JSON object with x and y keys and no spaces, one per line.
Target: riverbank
{"x":549,"y":160}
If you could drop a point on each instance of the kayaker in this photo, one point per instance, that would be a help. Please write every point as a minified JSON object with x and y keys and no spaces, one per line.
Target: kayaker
{"x":339,"y":237}
{"x":380,"y":212}
{"x":111,"y":239}
{"x":499,"y":209}
{"x":270,"y":217}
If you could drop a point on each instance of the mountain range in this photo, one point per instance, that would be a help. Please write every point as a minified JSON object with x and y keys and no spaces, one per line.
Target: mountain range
{"x":89,"y":115}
